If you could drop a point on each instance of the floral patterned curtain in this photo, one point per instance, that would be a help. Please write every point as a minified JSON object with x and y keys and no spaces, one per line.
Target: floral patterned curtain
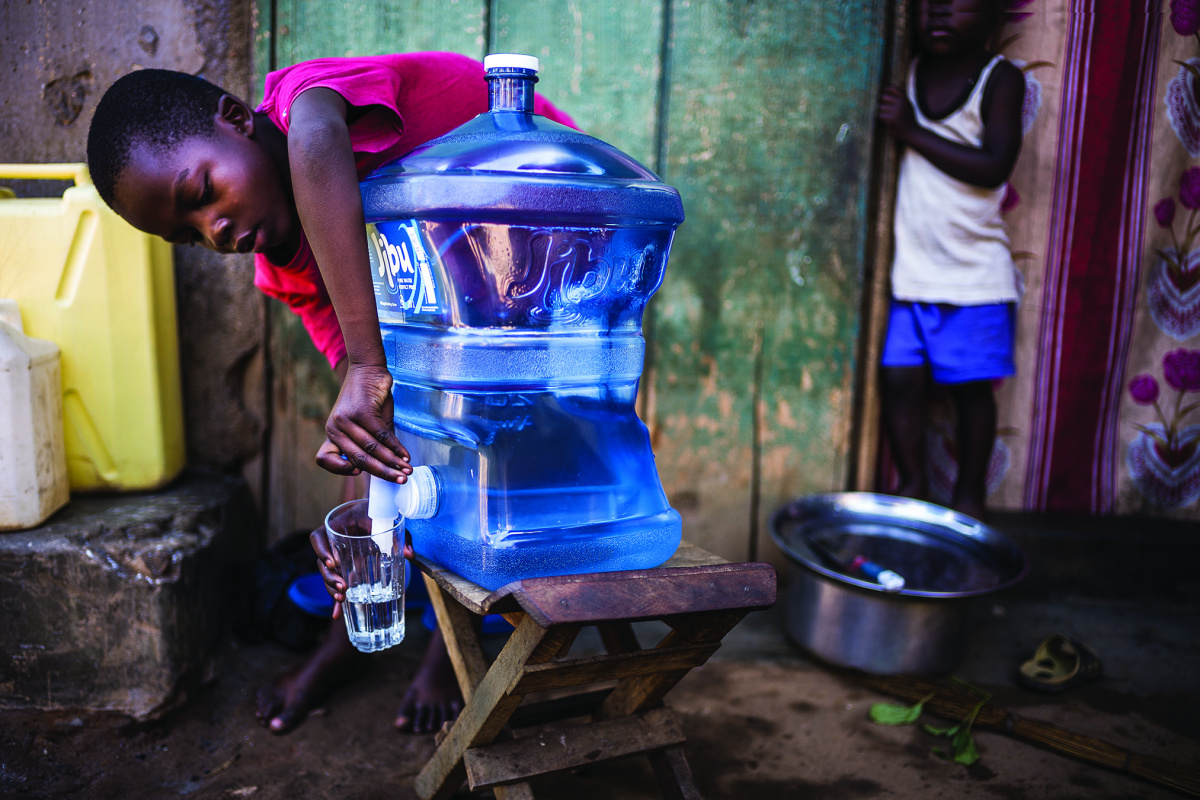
{"x":1161,"y":434}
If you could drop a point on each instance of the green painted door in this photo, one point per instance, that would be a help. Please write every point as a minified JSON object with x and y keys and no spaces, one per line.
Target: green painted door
{"x":760,"y":113}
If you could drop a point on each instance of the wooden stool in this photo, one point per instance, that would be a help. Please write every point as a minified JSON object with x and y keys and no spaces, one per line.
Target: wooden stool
{"x":697,"y":594}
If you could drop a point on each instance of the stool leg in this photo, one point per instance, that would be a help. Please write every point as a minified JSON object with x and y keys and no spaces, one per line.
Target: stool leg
{"x":674,"y":775}
{"x":489,"y":708}
{"x":459,"y":630}
{"x":618,"y":637}
{"x":646,"y":691}
{"x":515,"y":791}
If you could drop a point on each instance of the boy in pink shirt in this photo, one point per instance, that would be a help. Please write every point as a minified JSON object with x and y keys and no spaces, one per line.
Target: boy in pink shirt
{"x":180,"y":158}
{"x":399,"y":102}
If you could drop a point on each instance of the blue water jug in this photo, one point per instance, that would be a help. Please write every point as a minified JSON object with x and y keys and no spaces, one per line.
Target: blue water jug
{"x":512,"y":259}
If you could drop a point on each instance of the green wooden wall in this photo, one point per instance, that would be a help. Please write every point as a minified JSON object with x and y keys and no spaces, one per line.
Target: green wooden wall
{"x":760,"y":113}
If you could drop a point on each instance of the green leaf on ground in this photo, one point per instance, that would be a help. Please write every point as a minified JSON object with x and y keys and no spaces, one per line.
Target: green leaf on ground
{"x":932,"y":731}
{"x":965,"y":751}
{"x":892,"y":714}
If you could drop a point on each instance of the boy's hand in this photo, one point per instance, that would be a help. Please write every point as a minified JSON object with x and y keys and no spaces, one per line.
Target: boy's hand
{"x":896,"y":112}
{"x":359,"y":431}
{"x":327,"y":565}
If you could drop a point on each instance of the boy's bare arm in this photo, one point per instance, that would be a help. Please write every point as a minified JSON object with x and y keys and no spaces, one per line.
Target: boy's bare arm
{"x":325,"y":184}
{"x":988,"y":165}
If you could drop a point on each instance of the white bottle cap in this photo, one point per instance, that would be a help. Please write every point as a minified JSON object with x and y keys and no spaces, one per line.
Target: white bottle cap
{"x":510,"y":61}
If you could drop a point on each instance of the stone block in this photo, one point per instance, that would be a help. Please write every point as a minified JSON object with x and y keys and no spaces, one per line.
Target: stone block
{"x":120,"y":602}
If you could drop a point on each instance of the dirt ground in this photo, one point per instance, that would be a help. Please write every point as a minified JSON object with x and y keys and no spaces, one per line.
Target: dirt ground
{"x":762,"y":720}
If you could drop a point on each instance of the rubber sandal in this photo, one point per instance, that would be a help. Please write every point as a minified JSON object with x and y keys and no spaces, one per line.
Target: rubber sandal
{"x":1059,"y":663}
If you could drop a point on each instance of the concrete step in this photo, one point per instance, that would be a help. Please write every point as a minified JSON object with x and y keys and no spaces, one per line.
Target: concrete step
{"x":119,"y":602}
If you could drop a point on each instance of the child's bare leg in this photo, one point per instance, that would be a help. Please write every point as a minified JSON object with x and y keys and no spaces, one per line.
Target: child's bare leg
{"x":286,"y":702}
{"x":904,"y":408}
{"x":433,"y":696}
{"x":976,"y":406}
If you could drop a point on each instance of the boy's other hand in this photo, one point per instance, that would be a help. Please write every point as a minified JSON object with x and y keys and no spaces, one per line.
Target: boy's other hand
{"x":896,"y":113}
{"x":328,"y":567}
{"x":359,"y":435}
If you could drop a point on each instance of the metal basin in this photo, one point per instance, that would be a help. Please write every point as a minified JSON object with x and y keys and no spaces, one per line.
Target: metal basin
{"x":847,"y":619}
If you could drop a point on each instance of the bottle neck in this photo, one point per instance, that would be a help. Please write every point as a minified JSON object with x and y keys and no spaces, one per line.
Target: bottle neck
{"x":511,"y":90}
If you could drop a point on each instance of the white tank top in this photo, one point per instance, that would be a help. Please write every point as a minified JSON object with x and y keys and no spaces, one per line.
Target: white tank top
{"x":951,"y":245}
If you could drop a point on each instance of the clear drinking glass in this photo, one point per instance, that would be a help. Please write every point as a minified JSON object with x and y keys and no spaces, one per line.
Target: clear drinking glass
{"x":372,"y":565}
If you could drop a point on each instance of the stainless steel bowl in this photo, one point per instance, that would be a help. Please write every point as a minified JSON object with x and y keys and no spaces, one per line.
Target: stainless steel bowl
{"x":845,"y":618}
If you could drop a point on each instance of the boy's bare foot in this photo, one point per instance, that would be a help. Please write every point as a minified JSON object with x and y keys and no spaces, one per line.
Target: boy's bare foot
{"x":433,"y":696}
{"x":287,"y":701}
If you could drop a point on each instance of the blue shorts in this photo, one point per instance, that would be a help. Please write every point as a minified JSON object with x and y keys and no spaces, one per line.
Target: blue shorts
{"x":960,"y":344}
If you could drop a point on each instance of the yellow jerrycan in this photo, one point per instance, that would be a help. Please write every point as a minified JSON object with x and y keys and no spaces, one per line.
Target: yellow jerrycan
{"x":104,"y":292}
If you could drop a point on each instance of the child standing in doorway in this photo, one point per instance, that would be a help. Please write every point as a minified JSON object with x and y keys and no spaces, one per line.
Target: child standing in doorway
{"x":954,"y":288}
{"x":180,"y":158}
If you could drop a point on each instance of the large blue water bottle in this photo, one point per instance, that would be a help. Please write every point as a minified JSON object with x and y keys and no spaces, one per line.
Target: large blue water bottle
{"x":512,"y":260}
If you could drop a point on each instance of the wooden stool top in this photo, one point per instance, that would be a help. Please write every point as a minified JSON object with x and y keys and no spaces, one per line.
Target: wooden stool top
{"x":691,"y":581}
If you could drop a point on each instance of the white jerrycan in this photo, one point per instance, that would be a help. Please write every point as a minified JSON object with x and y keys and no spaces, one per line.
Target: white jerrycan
{"x":33,"y":460}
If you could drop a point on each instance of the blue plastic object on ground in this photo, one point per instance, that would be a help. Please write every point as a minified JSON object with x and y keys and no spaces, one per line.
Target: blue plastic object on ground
{"x":512,"y":260}
{"x":308,"y":593}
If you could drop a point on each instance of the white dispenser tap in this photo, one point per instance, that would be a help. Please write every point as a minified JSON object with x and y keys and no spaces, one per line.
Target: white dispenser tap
{"x":416,"y":498}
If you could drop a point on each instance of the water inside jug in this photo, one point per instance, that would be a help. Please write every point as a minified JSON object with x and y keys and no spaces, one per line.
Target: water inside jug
{"x":512,"y":260}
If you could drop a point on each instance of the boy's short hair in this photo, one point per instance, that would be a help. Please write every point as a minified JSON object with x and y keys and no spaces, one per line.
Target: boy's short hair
{"x":158,"y":107}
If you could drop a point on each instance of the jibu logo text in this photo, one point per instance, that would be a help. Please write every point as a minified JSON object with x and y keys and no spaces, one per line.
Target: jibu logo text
{"x":403,"y":278}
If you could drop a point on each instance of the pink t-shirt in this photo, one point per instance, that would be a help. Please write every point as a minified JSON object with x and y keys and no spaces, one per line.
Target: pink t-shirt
{"x":403,"y":100}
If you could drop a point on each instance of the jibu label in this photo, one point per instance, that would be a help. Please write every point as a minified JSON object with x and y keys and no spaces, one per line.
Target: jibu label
{"x":400,"y":270}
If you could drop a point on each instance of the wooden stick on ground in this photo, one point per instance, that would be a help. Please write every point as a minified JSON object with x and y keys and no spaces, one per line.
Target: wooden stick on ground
{"x":952,"y":702}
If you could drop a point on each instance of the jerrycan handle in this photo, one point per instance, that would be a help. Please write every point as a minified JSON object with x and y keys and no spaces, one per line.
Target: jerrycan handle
{"x":10,"y":314}
{"x":77,"y":172}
